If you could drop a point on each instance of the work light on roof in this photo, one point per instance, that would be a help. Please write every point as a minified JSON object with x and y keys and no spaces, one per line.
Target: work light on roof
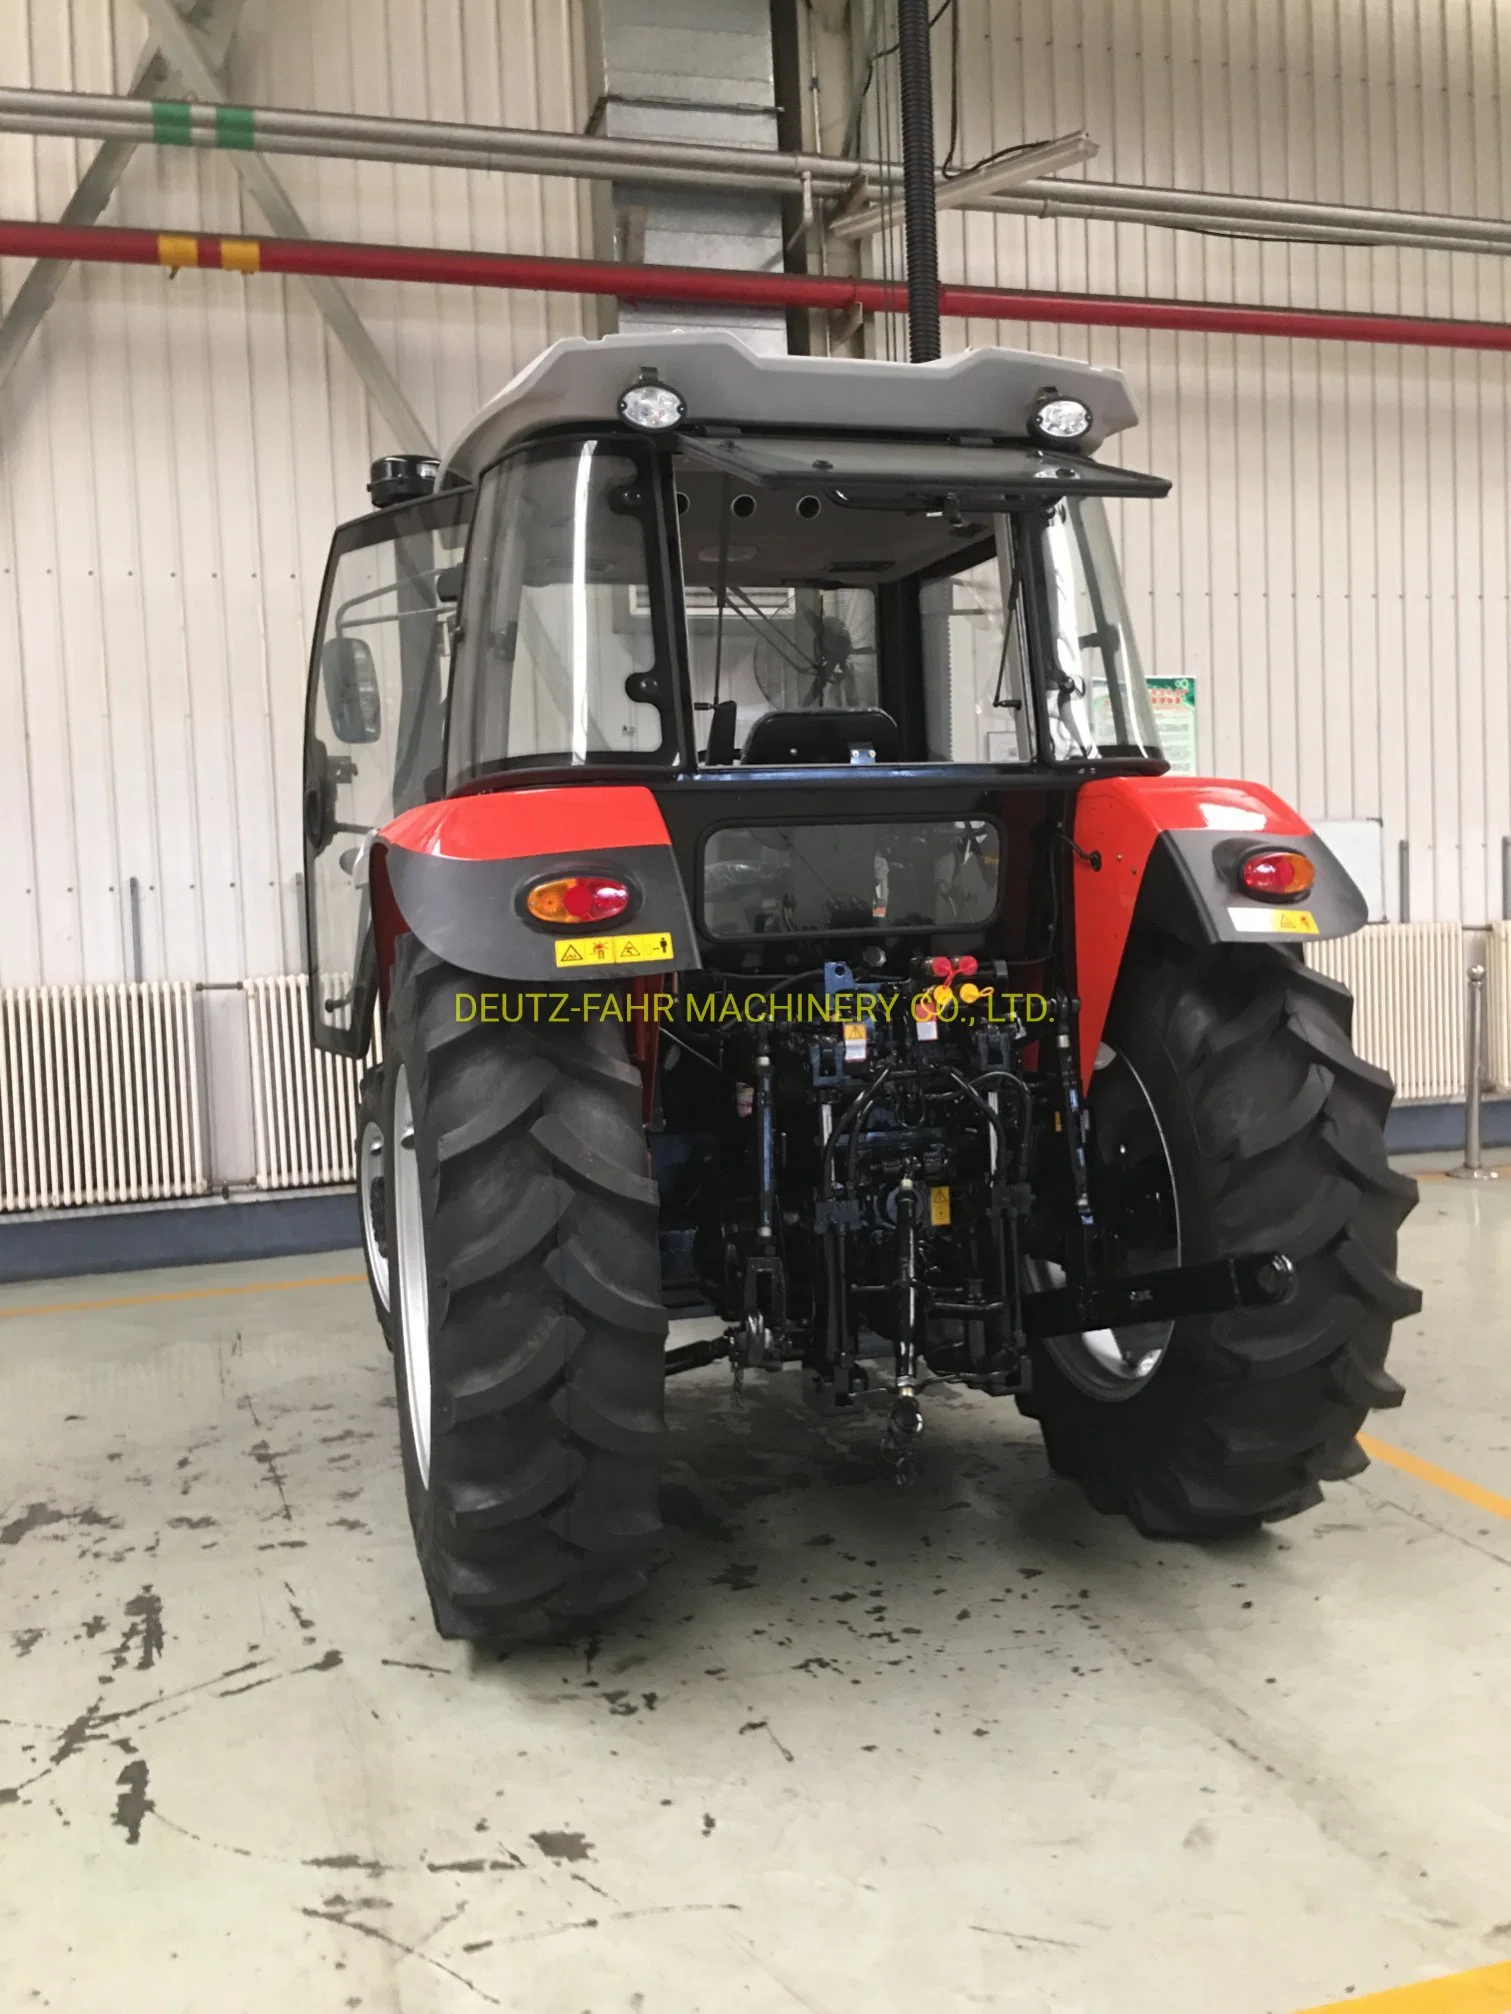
{"x":652,"y":405}
{"x":1057,"y":419}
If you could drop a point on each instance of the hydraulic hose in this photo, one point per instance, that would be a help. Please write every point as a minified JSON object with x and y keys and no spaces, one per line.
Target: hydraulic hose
{"x":1021,"y":1092}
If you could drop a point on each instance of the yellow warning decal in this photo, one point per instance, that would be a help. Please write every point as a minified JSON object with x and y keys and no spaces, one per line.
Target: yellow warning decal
{"x":637,"y":947}
{"x":1275,"y":922}
{"x":939,"y":1205}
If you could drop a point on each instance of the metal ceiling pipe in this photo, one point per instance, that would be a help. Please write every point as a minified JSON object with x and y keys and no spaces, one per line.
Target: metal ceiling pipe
{"x":1261,"y":211}
{"x":107,"y":245}
{"x":423,"y":142}
{"x":1027,"y":202}
{"x":426,"y":143}
{"x":608,"y":160}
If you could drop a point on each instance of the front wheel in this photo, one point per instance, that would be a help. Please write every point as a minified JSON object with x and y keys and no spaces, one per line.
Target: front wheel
{"x":1233,"y":1108}
{"x":528,"y":1321}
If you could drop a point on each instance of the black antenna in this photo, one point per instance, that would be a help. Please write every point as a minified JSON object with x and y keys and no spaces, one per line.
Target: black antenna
{"x":915,"y":77}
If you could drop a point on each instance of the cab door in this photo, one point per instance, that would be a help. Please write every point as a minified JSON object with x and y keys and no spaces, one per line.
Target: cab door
{"x":374,"y":732}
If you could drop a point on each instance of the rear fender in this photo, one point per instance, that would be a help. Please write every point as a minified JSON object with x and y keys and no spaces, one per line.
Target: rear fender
{"x":1158,"y":850}
{"x":457,"y":873}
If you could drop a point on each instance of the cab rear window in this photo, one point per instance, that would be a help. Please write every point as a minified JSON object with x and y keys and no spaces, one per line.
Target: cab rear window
{"x":834,"y":876}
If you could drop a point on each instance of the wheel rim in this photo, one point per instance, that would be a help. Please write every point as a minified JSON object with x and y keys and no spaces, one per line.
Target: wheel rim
{"x":370,"y":1196}
{"x":414,"y":1278}
{"x":1133,"y":1173}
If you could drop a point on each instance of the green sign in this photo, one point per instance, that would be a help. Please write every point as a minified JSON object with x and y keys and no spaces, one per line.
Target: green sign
{"x":1174,"y":703}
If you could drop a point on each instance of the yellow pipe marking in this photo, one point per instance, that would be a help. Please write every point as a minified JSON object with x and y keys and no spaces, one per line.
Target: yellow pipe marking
{"x":185,"y":1294}
{"x":1442,"y":1479}
{"x":1486,"y":1990}
{"x":241,"y":255}
{"x":173,"y":250}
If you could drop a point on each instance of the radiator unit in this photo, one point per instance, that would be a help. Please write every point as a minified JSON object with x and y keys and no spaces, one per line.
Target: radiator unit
{"x":304,"y":1102}
{"x":99,"y":1095}
{"x":1407,"y":980}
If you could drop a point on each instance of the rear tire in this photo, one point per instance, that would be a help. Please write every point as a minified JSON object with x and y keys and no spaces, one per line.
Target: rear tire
{"x":523,"y":1229}
{"x":1274,"y":1133}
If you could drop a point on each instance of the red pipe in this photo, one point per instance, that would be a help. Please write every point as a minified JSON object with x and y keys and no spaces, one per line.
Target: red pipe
{"x":108,"y":245}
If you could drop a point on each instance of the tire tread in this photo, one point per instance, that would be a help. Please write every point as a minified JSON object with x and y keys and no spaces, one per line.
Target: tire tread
{"x":1252,"y":1411}
{"x":547,"y":1326}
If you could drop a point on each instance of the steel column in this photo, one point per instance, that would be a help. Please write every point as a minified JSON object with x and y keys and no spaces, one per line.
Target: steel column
{"x":915,"y":73}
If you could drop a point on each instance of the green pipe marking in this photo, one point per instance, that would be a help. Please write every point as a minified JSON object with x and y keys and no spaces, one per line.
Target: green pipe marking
{"x":233,"y":126}
{"x":170,"y":123}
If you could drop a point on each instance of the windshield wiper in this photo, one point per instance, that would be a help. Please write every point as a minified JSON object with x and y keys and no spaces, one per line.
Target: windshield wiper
{"x":1009,"y":614}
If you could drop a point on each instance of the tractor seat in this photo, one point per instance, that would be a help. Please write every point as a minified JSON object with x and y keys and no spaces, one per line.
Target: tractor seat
{"x":825,"y":734}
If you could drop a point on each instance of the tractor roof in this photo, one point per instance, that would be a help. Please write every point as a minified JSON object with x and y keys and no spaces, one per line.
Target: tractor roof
{"x":578,"y":381}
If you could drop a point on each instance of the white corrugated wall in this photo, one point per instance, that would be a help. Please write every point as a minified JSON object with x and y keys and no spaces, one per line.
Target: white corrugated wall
{"x":174,"y":454}
{"x":1332,"y":565}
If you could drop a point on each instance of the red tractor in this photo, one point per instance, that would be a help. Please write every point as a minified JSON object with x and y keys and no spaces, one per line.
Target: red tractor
{"x":732,"y":788}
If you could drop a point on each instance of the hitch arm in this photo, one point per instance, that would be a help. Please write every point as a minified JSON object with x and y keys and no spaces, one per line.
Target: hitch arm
{"x":1256,"y":1280}
{"x":693,"y":1356}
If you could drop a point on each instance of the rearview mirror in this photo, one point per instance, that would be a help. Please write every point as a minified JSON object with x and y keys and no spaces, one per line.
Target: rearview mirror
{"x":352,"y":696}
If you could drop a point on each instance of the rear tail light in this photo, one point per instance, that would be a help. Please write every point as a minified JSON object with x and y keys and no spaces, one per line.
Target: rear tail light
{"x":1277,"y":877}
{"x":578,"y":898}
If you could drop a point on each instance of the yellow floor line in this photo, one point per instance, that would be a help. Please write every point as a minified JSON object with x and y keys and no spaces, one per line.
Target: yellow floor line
{"x":1486,"y":1990}
{"x":184,"y":1294}
{"x":1442,"y":1479}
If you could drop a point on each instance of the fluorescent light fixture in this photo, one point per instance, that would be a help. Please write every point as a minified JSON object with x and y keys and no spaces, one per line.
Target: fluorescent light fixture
{"x":990,"y":179}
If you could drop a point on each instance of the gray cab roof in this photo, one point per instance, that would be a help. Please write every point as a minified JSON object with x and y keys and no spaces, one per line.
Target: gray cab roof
{"x":578,"y":381}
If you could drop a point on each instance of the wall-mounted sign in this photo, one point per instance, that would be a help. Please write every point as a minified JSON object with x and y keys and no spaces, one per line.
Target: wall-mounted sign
{"x":1174,"y":704}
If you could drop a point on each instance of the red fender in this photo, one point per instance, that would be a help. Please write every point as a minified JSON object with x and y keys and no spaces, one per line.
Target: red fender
{"x":1119,"y":818}
{"x":456,"y":872}
{"x":507,"y":824}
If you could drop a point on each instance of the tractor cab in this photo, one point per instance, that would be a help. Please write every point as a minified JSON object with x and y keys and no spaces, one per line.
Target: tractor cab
{"x":704,"y":582}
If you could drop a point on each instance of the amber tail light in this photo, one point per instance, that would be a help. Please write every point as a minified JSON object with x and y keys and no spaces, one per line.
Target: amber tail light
{"x":578,"y":898}
{"x":1281,"y":876}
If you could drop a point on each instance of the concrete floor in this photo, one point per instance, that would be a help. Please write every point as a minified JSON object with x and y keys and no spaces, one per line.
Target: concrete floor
{"x":970,"y":1746}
